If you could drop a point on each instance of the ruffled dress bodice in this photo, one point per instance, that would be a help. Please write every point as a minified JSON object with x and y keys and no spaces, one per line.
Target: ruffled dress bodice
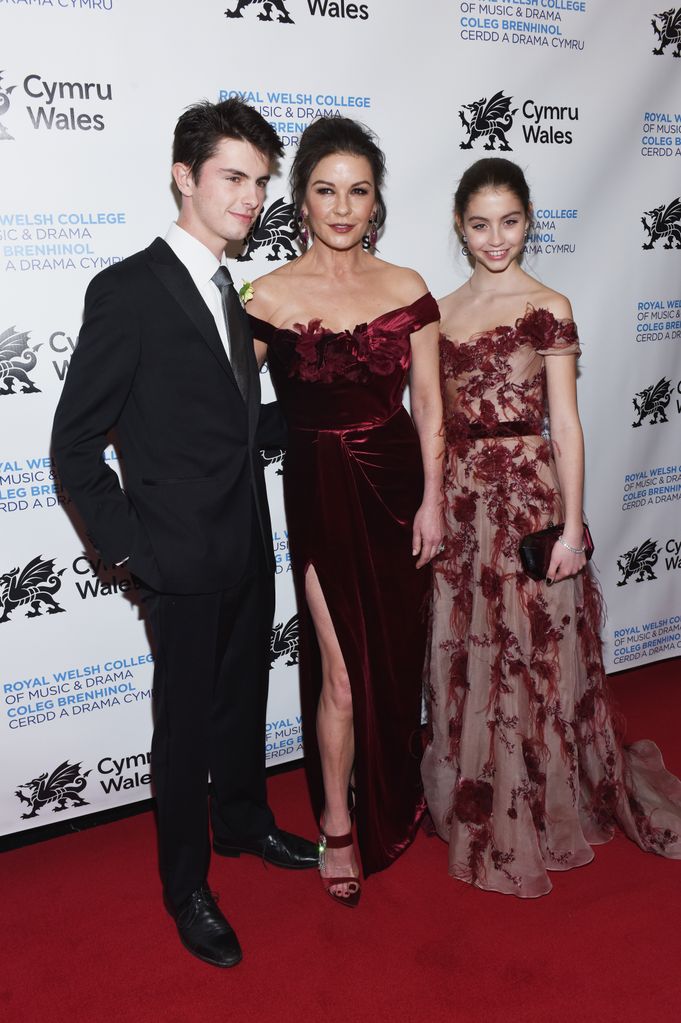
{"x":328,"y":380}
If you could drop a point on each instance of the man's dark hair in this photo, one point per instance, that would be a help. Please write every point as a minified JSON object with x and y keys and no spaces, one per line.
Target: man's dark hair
{"x":202,"y":127}
{"x":330,"y":135}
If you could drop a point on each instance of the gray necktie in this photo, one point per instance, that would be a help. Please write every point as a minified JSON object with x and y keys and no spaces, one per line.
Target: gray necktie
{"x":240,"y":344}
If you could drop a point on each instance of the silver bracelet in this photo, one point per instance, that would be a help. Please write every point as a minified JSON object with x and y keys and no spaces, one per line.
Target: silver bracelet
{"x":569,"y":547}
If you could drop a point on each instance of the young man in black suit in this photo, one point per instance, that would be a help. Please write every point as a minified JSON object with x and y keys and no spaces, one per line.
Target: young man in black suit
{"x":165,"y":357}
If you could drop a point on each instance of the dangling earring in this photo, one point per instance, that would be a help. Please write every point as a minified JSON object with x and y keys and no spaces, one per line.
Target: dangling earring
{"x":464,"y":248}
{"x":371,"y":237}
{"x":303,"y":232}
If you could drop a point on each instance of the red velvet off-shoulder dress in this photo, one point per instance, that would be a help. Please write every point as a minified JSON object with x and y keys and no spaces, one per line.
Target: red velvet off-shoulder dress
{"x":353,"y":481}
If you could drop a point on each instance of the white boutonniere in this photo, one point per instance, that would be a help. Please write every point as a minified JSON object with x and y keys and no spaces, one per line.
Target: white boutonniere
{"x":246,"y":292}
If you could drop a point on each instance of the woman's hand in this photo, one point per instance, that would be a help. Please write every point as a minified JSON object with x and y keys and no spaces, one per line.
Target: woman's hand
{"x":429,"y":529}
{"x":564,"y":563}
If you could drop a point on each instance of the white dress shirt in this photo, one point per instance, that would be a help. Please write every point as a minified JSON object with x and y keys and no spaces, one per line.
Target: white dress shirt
{"x":201,"y":264}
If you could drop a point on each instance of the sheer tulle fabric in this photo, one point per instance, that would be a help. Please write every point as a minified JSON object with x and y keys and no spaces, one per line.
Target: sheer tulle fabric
{"x":524,"y":769}
{"x":353,"y":480}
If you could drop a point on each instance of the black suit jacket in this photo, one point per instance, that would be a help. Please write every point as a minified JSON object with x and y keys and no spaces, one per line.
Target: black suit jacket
{"x":150,"y":363}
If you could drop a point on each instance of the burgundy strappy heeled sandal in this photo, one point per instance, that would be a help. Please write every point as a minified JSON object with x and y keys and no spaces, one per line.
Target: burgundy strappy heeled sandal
{"x":355,"y":888}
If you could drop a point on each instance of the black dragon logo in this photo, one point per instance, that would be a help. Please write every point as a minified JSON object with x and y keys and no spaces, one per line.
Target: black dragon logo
{"x":65,"y":783}
{"x":639,"y":561}
{"x":488,"y":119}
{"x":17,"y":359}
{"x":5,"y":103}
{"x":273,"y":456}
{"x":266,"y":13}
{"x":653,"y":402}
{"x":37,"y":582}
{"x":668,"y":31}
{"x":284,"y":642}
{"x":665,"y":223}
{"x":274,"y":227}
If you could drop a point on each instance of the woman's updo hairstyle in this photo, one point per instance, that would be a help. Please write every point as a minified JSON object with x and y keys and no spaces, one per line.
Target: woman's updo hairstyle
{"x":330,"y":135}
{"x":493,"y":172}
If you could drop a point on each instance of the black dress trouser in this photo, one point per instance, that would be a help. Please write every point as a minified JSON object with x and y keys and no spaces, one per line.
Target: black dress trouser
{"x":210,"y":702}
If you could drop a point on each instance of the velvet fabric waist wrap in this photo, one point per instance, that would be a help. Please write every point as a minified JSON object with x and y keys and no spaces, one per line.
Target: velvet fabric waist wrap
{"x":340,"y":407}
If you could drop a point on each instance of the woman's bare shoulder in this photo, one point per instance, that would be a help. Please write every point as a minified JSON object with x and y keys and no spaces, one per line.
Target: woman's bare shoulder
{"x":547,"y":298}
{"x":451,"y":303}
{"x":402,"y":281}
{"x":269,"y":291}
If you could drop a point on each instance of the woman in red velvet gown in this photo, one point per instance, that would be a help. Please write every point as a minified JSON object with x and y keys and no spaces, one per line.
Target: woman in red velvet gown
{"x":524,"y":770}
{"x":362,"y":482}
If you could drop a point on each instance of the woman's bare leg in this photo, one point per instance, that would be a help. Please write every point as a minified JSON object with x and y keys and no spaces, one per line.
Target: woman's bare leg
{"x":335,"y":734}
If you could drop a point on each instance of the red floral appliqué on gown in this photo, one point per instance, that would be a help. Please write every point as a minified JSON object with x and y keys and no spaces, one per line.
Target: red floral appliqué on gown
{"x":524,"y":769}
{"x":353,"y":481}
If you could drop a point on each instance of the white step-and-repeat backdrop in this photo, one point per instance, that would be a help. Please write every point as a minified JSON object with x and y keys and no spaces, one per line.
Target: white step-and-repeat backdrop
{"x":584,"y":94}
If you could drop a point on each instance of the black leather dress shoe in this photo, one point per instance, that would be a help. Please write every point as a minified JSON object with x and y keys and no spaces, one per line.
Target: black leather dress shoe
{"x":204,"y":931}
{"x":279,"y":848}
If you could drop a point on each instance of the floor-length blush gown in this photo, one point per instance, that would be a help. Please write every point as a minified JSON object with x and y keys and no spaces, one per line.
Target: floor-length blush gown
{"x":353,"y":480}
{"x":524,"y":769}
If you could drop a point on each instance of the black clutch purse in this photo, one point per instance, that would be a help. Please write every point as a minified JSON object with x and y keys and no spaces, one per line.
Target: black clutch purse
{"x":536,"y":549}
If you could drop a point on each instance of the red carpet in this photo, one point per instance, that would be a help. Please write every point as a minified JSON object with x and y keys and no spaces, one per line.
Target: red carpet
{"x":84,"y":936}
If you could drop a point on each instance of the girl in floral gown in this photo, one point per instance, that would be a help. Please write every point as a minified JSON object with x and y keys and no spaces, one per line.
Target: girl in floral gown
{"x":524,"y":770}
